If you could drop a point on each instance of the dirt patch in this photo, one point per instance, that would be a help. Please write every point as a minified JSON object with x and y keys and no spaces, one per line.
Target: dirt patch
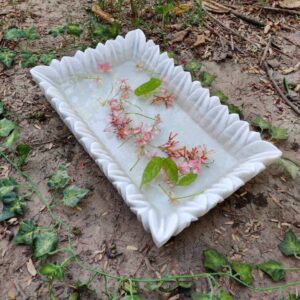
{"x":248,"y":225}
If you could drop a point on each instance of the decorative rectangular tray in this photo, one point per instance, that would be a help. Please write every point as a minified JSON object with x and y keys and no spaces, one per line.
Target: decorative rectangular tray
{"x":82,"y":90}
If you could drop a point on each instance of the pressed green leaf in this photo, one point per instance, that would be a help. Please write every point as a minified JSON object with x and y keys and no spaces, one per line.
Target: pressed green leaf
{"x":171,"y":170}
{"x":152,"y":170}
{"x":6,"y":127}
{"x":74,"y":29}
{"x":206,"y":79}
{"x":7,"y":56}
{"x":214,"y":260}
{"x":278,"y":133}
{"x":290,"y":166}
{"x":57,"y":30}
{"x":44,"y":243}
{"x":187,"y":179}
{"x":261,"y":123}
{"x":290,"y":245}
{"x":52,"y":271}
{"x":29,"y":59}
{"x":13,"y":34}
{"x":22,"y":151}
{"x":59,"y":179}
{"x":223,"y":98}
{"x":243,"y":270}
{"x":1,"y":107}
{"x":12,"y":138}
{"x":73,"y":194}
{"x":273,"y":269}
{"x":148,"y":87}
{"x":46,"y":58}
{"x":224,"y":295}
{"x":29,"y":33}
{"x":193,"y":66}
{"x":25,"y":234}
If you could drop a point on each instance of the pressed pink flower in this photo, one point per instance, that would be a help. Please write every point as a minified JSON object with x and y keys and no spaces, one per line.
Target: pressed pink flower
{"x":125,"y":89}
{"x":104,"y":68}
{"x":183,"y":167}
{"x":165,"y":97}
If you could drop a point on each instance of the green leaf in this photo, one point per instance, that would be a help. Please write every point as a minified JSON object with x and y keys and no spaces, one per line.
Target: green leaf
{"x":147,"y":87}
{"x":224,"y":295}
{"x":290,"y":246}
{"x":52,"y":271}
{"x":25,"y":234}
{"x":214,"y":260}
{"x":243,"y":270}
{"x":6,"y":127}
{"x":206,"y":79}
{"x":201,"y":296}
{"x":44,"y":243}
{"x":131,"y":297}
{"x":22,"y":151}
{"x":233,"y":109}
{"x":293,"y":297}
{"x":29,"y":59}
{"x":13,"y":34}
{"x":12,"y":138}
{"x":57,"y":30}
{"x":1,"y":107}
{"x":46,"y":58}
{"x":286,"y":86}
{"x":29,"y":33}
{"x":74,"y":29}
{"x":273,"y":269}
{"x":7,"y":185}
{"x":7,"y":56}
{"x":73,"y":194}
{"x":187,"y":179}
{"x":74,"y":296}
{"x":171,"y":170}
{"x":152,"y":170}
{"x":278,"y":133}
{"x":193,"y":66}
{"x":223,"y":98}
{"x":261,"y":123}
{"x":289,"y":166}
{"x":12,"y":206}
{"x":59,"y":179}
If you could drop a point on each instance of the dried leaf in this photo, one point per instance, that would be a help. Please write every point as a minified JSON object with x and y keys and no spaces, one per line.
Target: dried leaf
{"x":31,"y":268}
{"x":290,"y":4}
{"x":215,"y":7}
{"x":180,"y":35}
{"x":102,"y":14}
{"x":201,"y":39}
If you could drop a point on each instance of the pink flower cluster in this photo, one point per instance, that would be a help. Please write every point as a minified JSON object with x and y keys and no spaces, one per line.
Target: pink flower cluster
{"x":165,"y":97}
{"x":189,"y":161}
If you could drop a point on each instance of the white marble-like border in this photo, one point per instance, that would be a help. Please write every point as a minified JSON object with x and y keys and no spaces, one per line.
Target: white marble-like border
{"x":253,"y":153}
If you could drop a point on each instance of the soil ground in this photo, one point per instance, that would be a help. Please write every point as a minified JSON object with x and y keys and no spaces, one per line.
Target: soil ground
{"x":248,"y":225}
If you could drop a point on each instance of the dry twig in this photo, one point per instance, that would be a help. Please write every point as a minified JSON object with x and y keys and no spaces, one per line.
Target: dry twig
{"x":266,"y":50}
{"x":276,"y":9}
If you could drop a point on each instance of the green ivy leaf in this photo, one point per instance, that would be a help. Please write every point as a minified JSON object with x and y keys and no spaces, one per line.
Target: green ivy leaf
{"x":193,"y":66}
{"x":25,"y":234}
{"x":29,"y":59}
{"x":187,"y":179}
{"x":7,"y":56}
{"x":278,"y":133}
{"x":59,"y":179}
{"x":261,"y":123}
{"x":73,"y":194}
{"x":290,"y":246}
{"x":44,"y":243}
{"x":12,"y":138}
{"x":46,"y":58}
{"x":29,"y":33}
{"x":273,"y":269}
{"x":214,"y":260}
{"x":12,"y":206}
{"x":152,"y":170}
{"x":13,"y":34}
{"x":224,"y":295}
{"x":243,"y":270}
{"x":171,"y":170}
{"x":57,"y":30}
{"x":206,"y":79}
{"x":74,"y":29}
{"x":223,"y":98}
{"x":22,"y":152}
{"x":6,"y":127}
{"x":147,"y":87}
{"x":7,"y":185}
{"x":289,"y":165}
{"x":1,"y":107}
{"x":52,"y":271}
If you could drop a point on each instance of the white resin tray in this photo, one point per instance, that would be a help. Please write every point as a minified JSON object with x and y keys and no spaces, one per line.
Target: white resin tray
{"x":74,"y":86}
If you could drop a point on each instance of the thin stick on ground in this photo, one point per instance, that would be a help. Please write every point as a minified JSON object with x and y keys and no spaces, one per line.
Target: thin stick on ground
{"x":279,"y":91}
{"x":281,"y":10}
{"x":266,"y":50}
